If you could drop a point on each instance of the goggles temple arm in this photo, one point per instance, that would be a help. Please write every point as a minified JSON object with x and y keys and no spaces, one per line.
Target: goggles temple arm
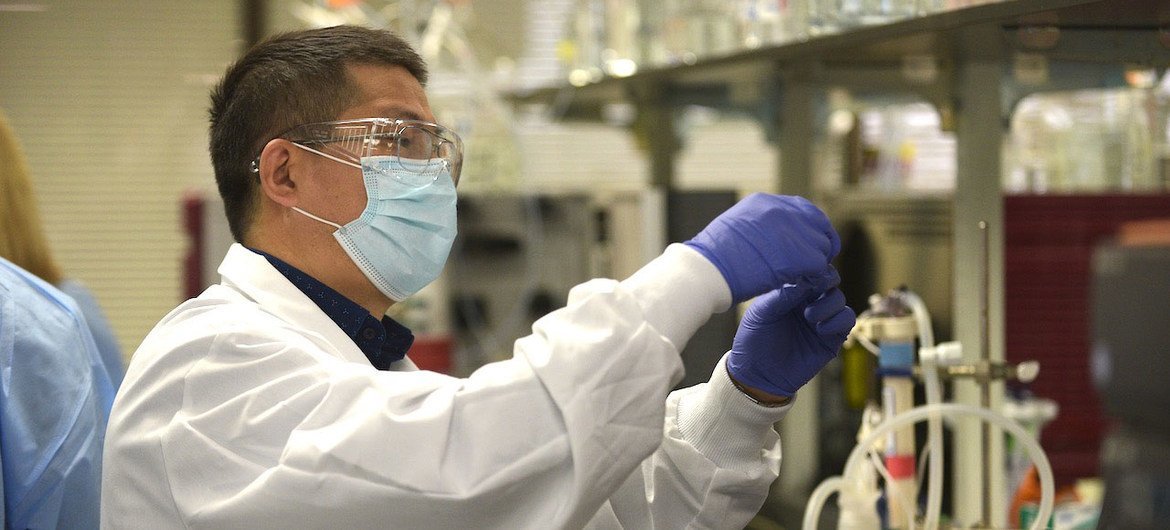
{"x":254,"y":166}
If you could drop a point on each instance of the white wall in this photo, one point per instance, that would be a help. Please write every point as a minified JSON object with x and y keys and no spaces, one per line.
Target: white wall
{"x":109,"y":99}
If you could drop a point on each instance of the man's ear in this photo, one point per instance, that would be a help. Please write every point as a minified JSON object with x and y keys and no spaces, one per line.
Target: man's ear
{"x":277,"y":181}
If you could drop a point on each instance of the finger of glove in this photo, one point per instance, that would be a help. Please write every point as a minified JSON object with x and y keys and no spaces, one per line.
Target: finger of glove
{"x":825,"y":280}
{"x":767,"y":308}
{"x":775,"y":304}
{"x":825,"y":306}
{"x":839,"y":324}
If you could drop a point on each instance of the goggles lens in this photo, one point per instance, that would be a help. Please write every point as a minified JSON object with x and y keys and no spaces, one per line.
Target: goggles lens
{"x":414,"y":146}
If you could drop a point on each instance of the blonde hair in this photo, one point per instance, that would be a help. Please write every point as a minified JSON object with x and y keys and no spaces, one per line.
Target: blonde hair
{"x":22,"y":238}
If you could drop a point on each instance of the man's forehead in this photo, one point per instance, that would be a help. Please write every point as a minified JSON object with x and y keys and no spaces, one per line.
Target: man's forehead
{"x":387,"y":109}
{"x":388,"y":92}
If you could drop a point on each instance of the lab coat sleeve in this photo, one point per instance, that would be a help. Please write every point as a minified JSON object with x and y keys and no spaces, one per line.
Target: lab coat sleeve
{"x":256,"y":423}
{"x":718,"y":457}
{"x":719,"y":453}
{"x":671,"y":297}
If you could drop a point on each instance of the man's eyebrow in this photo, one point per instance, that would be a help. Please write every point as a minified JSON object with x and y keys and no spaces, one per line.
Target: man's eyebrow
{"x":399,"y":113}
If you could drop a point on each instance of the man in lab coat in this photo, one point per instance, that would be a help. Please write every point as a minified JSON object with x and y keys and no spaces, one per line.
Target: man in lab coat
{"x":281,"y":398}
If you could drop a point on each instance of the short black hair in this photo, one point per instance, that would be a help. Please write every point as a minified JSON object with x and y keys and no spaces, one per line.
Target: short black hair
{"x":290,"y":79}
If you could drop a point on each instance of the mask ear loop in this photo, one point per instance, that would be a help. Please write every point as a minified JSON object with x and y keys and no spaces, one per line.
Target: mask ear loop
{"x":331,"y":157}
{"x":314,"y":217}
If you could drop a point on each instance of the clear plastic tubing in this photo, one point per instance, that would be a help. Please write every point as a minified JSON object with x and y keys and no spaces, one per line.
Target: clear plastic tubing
{"x":820,"y":495}
{"x":922,"y":316}
{"x":917,"y":414}
{"x":933,"y":396}
{"x":934,"y":434}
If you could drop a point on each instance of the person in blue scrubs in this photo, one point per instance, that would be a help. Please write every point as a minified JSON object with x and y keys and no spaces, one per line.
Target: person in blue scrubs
{"x":55,"y":397}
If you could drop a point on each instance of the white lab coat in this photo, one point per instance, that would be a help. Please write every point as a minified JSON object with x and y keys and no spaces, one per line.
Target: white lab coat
{"x":247,"y":407}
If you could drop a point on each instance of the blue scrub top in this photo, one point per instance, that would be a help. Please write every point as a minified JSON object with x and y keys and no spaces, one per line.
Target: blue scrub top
{"x":99,"y":327}
{"x":55,"y":398}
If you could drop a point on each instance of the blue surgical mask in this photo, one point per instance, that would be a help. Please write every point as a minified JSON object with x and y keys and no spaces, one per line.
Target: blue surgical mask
{"x":402,"y":239}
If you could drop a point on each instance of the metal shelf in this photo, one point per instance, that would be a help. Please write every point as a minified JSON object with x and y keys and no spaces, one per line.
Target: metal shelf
{"x":1131,"y":32}
{"x":972,"y":54}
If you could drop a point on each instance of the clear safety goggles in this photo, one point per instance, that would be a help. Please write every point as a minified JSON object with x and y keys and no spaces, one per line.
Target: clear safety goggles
{"x":414,"y":146}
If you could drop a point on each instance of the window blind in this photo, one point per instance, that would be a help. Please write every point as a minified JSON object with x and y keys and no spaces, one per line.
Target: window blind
{"x":109,"y":100}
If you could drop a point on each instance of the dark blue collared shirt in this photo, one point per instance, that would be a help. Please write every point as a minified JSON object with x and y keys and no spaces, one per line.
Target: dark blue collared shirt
{"x":383,"y":341}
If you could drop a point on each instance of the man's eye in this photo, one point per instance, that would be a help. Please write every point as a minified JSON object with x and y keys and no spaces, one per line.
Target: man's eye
{"x":389,"y":140}
{"x":378,"y":142}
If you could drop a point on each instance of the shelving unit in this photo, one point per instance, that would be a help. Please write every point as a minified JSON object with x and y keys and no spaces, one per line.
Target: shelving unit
{"x":967,"y":63}
{"x":1098,"y":31}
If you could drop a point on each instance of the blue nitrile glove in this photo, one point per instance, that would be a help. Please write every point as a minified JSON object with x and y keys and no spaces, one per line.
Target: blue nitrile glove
{"x":766,"y":241}
{"x":787,"y":336}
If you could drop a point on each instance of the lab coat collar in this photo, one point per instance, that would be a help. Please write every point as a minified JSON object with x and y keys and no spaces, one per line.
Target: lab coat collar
{"x":254,"y":277}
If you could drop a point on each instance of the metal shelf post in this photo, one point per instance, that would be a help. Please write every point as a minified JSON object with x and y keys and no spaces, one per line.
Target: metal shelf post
{"x":978,"y":198}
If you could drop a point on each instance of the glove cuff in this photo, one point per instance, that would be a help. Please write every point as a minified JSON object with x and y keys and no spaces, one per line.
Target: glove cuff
{"x":679,"y":291}
{"x":744,"y":370}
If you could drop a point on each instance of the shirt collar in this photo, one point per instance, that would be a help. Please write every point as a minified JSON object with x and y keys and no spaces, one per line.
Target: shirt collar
{"x":383,"y":342}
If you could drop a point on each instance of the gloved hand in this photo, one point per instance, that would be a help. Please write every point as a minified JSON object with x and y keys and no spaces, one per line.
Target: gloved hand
{"x":787,"y":336}
{"x":766,"y":241}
